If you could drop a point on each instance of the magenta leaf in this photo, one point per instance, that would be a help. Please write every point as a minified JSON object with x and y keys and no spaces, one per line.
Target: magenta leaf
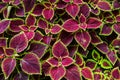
{"x":106,"y":30}
{"x":3,"y":42}
{"x":42,"y":24}
{"x":66,"y":61}
{"x":105,"y":64}
{"x":28,"y":5}
{"x":21,"y":76}
{"x":103,"y":47}
{"x":46,"y":68}
{"x":24,"y":27}
{"x":2,"y":52}
{"x":16,"y":2}
{"x":116,"y":28}
{"x":61,"y":4}
{"x":30,"y":20}
{"x":93,"y":23}
{"x":9,"y":51}
{"x":66,"y":37}
{"x":115,"y":73}
{"x":82,"y":19}
{"x":91,"y":64}
{"x":38,"y":48}
{"x":104,"y":5}
{"x":70,"y":25}
{"x":87,"y":73}
{"x":66,"y":0}
{"x":19,"y":42}
{"x":15,"y":23}
{"x":38,"y":36}
{"x":112,"y":57}
{"x":118,"y":18}
{"x":59,"y":49}
{"x":56,"y":29}
{"x":85,"y":10}
{"x":29,"y":34}
{"x":97,"y":76}
{"x":77,"y":1}
{"x":79,"y":59}
{"x":48,"y":13}
{"x":56,"y":73}
{"x":30,"y":64}
{"x":47,"y":39}
{"x":8,"y":66}
{"x":37,"y":10}
{"x":72,"y":73}
{"x":6,"y":1}
{"x":53,"y":61}
{"x":72,"y":10}
{"x":4,"y":25}
{"x":83,"y":39}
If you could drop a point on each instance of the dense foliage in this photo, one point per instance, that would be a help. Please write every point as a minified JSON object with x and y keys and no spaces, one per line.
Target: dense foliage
{"x":60,"y":39}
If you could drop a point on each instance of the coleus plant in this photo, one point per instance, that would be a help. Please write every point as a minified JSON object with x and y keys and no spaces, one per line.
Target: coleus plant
{"x":59,"y":39}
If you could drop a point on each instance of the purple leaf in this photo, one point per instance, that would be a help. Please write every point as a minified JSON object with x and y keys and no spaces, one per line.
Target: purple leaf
{"x":2,"y":6}
{"x":8,"y":66}
{"x":19,"y":42}
{"x":79,"y":59}
{"x":95,"y":39}
{"x":112,"y":57}
{"x":91,"y":64}
{"x":116,"y":28}
{"x":103,"y":47}
{"x":52,"y":1}
{"x":38,"y":36}
{"x":42,"y":24}
{"x":24,"y":28}
{"x":106,"y":30}
{"x":93,"y":23}
{"x":4,"y":25}
{"x":20,"y":11}
{"x":46,"y":68}
{"x":9,"y":51}
{"x":72,"y":10}
{"x":97,"y":76}
{"x":83,"y":52}
{"x":37,"y":10}
{"x":15,"y":23}
{"x":47,"y":39}
{"x":21,"y":76}
{"x":118,"y":18}
{"x":85,"y":10}
{"x":3,"y":42}
{"x":95,"y":11}
{"x":38,"y":48}
{"x":66,"y":37}
{"x":95,"y":55}
{"x":66,"y":61}
{"x":59,"y":50}
{"x":104,"y":5}
{"x":53,"y":61}
{"x":6,"y":1}
{"x":28,"y":5}
{"x":30,"y":20}
{"x":61,"y":4}
{"x":16,"y":2}
{"x":82,"y":19}
{"x":105,"y":64}
{"x":56,"y":73}
{"x":72,"y":50}
{"x":116,"y":42}
{"x":66,"y":0}
{"x":70,"y":25}
{"x":30,"y":35}
{"x":77,"y":1}
{"x":116,"y":4}
{"x":72,"y":73}
{"x":48,"y":13}
{"x":83,"y":39}
{"x":30,"y":64}
{"x":115,"y":73}
{"x":87,"y":73}
{"x":56,"y":29}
